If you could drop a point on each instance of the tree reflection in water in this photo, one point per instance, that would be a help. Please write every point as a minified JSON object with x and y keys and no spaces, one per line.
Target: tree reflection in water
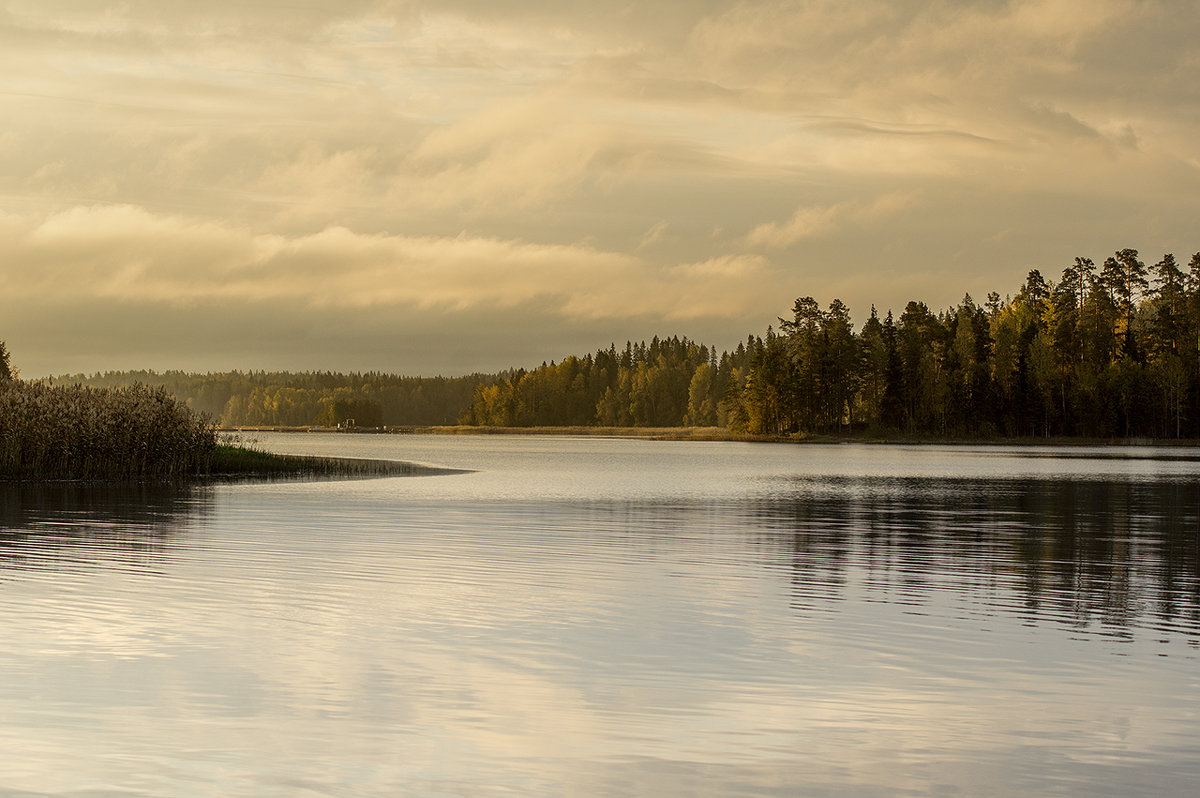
{"x":54,"y":524}
{"x":1101,"y":556}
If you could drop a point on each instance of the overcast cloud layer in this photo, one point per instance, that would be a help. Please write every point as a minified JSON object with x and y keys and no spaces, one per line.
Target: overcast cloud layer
{"x":465,"y":185}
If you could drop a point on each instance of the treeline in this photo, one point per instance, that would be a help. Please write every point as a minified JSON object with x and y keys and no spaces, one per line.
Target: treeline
{"x":1109,"y":351}
{"x":1104,"y":352}
{"x":664,"y":383}
{"x":287,"y":399}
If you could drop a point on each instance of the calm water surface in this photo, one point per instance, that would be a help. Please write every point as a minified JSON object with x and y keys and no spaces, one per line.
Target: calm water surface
{"x":587,"y":617}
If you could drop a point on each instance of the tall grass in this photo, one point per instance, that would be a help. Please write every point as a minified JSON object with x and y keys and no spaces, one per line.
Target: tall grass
{"x":76,"y":432}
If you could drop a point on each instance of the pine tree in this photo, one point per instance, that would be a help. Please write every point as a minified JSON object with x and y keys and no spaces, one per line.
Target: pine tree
{"x":1125,"y":278}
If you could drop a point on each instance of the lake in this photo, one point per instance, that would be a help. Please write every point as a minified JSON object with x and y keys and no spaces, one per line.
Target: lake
{"x":588,"y":616}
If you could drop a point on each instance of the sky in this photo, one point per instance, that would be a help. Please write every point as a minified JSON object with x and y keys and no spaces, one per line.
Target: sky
{"x":463,"y":185}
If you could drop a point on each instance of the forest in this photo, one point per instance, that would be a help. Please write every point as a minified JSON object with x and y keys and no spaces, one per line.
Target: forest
{"x":1108,"y":351}
{"x":665,"y":383}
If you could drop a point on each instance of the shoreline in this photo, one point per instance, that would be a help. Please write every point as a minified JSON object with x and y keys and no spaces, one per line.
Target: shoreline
{"x":287,"y":466}
{"x":254,"y":464}
{"x":722,"y":434}
{"x":241,"y":462}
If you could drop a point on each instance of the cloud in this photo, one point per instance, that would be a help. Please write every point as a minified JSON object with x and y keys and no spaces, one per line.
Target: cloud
{"x":648,"y":161}
{"x":805,"y":223}
{"x":812,"y":221}
{"x":128,"y":253}
{"x":654,"y":235}
{"x":525,"y":152}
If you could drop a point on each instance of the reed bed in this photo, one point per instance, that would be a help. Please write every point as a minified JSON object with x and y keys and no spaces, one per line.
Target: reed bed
{"x":77,"y":432}
{"x":140,"y":433}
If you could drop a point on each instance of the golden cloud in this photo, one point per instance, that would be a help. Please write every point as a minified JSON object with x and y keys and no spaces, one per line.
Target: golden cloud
{"x":129,"y":253}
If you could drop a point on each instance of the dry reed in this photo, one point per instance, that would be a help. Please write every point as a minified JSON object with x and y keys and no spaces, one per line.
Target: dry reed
{"x":76,"y":432}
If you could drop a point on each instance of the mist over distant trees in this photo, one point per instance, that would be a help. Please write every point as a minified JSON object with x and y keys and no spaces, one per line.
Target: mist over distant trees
{"x":1108,"y":350}
{"x":322,"y":398}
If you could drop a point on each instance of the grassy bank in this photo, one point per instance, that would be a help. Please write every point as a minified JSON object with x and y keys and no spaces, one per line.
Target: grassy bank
{"x":135,"y":433}
{"x":652,"y":433}
{"x":239,"y":461}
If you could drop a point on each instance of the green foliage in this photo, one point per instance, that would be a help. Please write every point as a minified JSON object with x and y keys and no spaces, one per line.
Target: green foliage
{"x":701,"y":408}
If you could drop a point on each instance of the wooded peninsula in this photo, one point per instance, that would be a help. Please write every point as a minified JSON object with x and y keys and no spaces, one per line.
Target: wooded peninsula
{"x":1108,"y":351}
